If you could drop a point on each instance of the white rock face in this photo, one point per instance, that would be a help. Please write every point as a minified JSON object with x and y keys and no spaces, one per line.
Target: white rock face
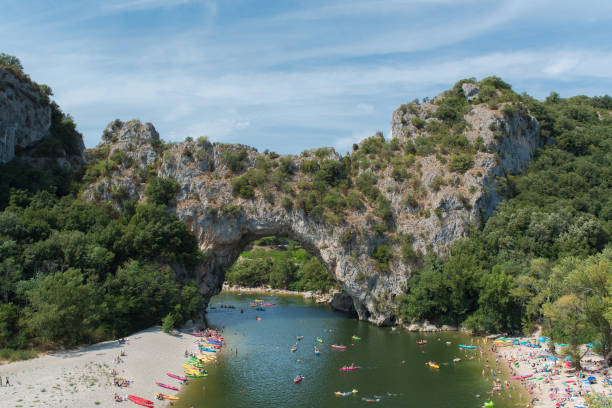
{"x":224,"y":224}
{"x":470,"y":91}
{"x":25,"y":115}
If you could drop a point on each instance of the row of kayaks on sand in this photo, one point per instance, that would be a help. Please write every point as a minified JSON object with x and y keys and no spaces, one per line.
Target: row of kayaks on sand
{"x":193,"y":367}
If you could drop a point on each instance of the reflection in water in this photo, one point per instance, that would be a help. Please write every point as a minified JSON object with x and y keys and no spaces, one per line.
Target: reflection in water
{"x":258,"y":368}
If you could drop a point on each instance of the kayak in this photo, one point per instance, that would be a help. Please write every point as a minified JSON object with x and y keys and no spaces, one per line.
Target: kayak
{"x":338,"y":347}
{"x":488,"y":404}
{"x":269,"y":304}
{"x":298,"y":379}
{"x":141,"y":401}
{"x":196,"y":375}
{"x":421,"y":342}
{"x":463,"y":346}
{"x":356,"y":338}
{"x":176,"y":377}
{"x":432,"y":364}
{"x":320,"y":340}
{"x":170,"y":387}
{"x":168,"y":397}
{"x":344,"y":394}
{"x":348,"y":368}
{"x":521,"y":377}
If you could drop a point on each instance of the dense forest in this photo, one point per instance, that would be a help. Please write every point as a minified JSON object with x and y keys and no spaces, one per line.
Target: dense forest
{"x":72,"y":271}
{"x":281,"y":264}
{"x":75,"y":271}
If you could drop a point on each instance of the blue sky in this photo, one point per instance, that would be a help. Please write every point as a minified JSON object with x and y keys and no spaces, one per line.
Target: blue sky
{"x":292,"y":75}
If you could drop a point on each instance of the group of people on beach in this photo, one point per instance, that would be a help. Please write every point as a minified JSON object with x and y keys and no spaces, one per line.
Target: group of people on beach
{"x":542,"y":373}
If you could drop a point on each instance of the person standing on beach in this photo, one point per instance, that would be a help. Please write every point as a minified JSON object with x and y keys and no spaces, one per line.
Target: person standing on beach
{"x":7,"y":382}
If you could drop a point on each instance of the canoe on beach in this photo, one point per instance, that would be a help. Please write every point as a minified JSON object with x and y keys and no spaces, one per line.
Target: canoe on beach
{"x":170,"y":387}
{"x":176,"y":377}
{"x":141,"y":401}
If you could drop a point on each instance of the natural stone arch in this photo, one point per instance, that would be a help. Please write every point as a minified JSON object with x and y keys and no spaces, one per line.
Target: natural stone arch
{"x":224,"y":237}
{"x":223,"y":222}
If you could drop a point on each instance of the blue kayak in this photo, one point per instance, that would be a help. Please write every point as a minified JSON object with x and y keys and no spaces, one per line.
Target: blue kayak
{"x":463,"y":346}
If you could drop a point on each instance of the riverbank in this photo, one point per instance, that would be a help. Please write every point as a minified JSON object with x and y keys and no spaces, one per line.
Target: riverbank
{"x":82,"y":377}
{"x":548,"y":379}
{"x":325,"y":298}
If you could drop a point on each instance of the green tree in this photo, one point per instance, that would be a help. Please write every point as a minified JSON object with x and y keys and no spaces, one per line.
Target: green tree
{"x":162,"y":190}
{"x":63,"y":308}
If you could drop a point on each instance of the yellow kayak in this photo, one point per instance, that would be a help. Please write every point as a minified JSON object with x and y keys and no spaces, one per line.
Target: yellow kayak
{"x":433,"y":365}
{"x":168,"y":397}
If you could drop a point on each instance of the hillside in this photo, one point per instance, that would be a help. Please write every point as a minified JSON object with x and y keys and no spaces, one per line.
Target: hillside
{"x":484,"y":208}
{"x":371,"y":216}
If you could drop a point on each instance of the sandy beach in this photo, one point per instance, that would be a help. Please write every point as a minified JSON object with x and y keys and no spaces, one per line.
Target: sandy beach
{"x":79,"y":378}
{"x":550,"y":382}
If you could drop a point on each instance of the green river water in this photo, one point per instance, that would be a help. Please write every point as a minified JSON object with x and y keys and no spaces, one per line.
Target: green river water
{"x":393,"y":367}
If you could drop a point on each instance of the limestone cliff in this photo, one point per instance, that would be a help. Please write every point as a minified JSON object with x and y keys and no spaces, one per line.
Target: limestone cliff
{"x":26,"y":120}
{"x":369,"y":216}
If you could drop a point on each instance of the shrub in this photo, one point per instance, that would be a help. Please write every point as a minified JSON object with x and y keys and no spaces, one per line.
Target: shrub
{"x":162,"y":190}
{"x":409,"y":255}
{"x":399,"y":173}
{"x":418,"y":123}
{"x":347,"y":237}
{"x":235,"y":161}
{"x":241,"y":187}
{"x":287,"y":204}
{"x":382,"y":254}
{"x":331,"y":172}
{"x":461,"y":163}
{"x":286,"y":166}
{"x":436,"y":183}
{"x":310,"y":166}
{"x":354,"y":201}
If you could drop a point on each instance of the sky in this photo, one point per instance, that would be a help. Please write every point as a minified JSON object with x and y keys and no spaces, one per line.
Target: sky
{"x":293,"y":75}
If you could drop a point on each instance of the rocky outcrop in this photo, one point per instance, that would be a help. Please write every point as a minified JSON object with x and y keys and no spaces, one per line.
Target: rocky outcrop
{"x":431,"y":205}
{"x":343,"y":302}
{"x":26,"y":119}
{"x":25,"y":115}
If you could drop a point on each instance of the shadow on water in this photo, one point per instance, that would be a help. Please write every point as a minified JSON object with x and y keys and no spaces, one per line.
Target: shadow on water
{"x":393,"y":370}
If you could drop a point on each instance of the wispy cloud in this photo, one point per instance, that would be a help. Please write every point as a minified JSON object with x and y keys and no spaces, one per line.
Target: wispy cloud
{"x":291,"y":77}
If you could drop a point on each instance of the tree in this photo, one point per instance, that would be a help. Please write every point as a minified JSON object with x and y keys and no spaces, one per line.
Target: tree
{"x":168,"y":323}
{"x":63,"y":308}
{"x":10,"y":61}
{"x":162,"y":190}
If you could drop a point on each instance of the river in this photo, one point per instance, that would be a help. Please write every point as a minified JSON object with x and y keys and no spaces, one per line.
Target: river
{"x":393,"y":367}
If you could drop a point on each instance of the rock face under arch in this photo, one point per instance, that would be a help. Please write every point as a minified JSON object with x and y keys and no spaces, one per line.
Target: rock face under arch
{"x":433,"y":217}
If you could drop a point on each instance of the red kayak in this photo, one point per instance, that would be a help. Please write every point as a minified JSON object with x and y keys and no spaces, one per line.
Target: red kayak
{"x":298,"y":379}
{"x":177,"y":377}
{"x":348,"y":368}
{"x":141,"y":401}
{"x":170,"y":387}
{"x":338,"y":347}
